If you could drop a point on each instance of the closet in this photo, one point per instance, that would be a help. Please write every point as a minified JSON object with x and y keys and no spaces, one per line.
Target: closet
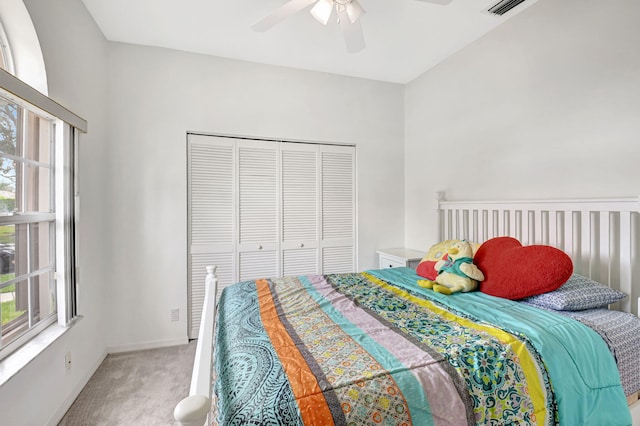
{"x":261,"y":209}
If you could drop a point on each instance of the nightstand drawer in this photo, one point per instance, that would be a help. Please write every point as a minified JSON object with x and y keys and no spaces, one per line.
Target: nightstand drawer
{"x":398,"y":257}
{"x":388,"y":262}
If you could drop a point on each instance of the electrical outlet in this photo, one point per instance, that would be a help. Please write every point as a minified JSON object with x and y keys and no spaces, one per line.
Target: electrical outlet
{"x":175,"y":315}
{"x":67,"y":361}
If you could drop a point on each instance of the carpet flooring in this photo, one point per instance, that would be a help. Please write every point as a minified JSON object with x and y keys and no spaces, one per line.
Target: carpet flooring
{"x":134,"y":388}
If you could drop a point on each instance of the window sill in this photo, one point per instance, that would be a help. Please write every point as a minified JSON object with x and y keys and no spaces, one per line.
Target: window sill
{"x":14,"y":363}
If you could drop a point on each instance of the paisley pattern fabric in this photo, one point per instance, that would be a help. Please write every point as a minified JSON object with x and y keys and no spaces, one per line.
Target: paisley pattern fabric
{"x":366,"y":349}
{"x":259,"y":395}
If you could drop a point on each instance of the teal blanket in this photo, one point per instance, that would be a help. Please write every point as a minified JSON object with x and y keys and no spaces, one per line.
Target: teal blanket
{"x":375,"y":348}
{"x":582,"y":370}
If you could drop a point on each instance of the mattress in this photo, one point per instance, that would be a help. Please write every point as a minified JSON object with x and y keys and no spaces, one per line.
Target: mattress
{"x":375,"y":348}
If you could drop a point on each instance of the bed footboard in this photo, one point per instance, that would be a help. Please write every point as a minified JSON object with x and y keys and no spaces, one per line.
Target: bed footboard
{"x":194,"y":409}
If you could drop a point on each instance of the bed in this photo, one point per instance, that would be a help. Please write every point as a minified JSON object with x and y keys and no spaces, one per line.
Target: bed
{"x":372,"y":347}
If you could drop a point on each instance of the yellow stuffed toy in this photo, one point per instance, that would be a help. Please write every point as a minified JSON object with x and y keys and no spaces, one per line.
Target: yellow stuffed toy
{"x":457,"y":272}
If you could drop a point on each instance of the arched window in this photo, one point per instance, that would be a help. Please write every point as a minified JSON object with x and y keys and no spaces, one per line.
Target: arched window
{"x":3,"y":62}
{"x":20,"y":47}
{"x":5,"y":53}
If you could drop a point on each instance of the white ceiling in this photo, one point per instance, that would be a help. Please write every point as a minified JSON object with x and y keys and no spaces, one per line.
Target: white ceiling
{"x":404,"y":37}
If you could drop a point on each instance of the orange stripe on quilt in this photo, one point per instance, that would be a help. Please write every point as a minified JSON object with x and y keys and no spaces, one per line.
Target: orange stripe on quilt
{"x":311,"y":402}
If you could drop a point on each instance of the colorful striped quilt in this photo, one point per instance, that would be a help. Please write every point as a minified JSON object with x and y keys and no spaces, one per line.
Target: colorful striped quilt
{"x":375,"y":348}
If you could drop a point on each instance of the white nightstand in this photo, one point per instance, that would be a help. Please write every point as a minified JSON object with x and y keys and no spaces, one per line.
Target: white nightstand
{"x":397,"y":257}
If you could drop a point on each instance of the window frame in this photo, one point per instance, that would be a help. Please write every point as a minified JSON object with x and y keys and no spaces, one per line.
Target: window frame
{"x":66,"y":129}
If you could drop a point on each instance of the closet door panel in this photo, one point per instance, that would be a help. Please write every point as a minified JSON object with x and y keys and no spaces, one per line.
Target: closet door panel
{"x":211,"y":227}
{"x":258,"y":209}
{"x":258,"y":193}
{"x":299,"y":183}
{"x":338,"y":214}
{"x":337,"y":260}
{"x":258,"y":264}
{"x":300,"y":261}
{"x":211,"y":194}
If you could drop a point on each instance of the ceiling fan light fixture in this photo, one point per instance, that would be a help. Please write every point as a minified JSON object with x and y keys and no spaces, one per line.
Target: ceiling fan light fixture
{"x":354,"y":11}
{"x":322,"y":11}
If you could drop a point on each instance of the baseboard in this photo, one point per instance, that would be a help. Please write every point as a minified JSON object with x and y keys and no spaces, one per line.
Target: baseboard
{"x":147,"y":345}
{"x":62,"y":410}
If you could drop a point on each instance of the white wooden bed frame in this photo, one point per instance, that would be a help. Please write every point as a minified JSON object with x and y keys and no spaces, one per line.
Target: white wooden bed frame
{"x":602,"y":237}
{"x":194,"y":409}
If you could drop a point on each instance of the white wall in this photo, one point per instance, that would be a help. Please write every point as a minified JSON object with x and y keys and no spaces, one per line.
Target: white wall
{"x":155,"y":97}
{"x":545,"y":106}
{"x":74,"y":52}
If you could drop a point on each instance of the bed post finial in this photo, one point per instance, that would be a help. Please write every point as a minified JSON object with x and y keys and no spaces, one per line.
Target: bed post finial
{"x":211,"y":284}
{"x":192,"y":411}
{"x":212,"y":279}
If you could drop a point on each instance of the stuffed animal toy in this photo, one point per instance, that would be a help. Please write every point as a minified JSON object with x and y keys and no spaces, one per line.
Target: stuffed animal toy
{"x":427,"y":266}
{"x":457,"y":272}
{"x":436,"y":253}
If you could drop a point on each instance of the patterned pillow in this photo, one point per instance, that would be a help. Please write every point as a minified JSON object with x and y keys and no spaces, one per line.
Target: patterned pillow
{"x":577,"y":294}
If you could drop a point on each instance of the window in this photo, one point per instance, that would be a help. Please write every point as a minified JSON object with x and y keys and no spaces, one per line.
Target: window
{"x":37,"y":216}
{"x":27,"y":221}
{"x":38,"y":139}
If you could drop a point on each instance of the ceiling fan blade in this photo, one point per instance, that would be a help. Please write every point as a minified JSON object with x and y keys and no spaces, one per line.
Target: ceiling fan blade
{"x":322,"y":11}
{"x":354,"y":11}
{"x":280,"y":14}
{"x":442,"y":2}
{"x":352,"y":31}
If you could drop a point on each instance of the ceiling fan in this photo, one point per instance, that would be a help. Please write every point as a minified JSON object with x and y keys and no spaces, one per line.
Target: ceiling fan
{"x":348,"y":13}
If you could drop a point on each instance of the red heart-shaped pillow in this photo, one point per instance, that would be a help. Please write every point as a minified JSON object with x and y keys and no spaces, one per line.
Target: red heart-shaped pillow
{"x":514,"y":272}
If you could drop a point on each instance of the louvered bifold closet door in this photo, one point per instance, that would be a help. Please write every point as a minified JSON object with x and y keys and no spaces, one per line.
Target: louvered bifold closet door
{"x":211,"y":218}
{"x":258,"y":210}
{"x":338,"y":213}
{"x":263,"y":209}
{"x":300,"y":208}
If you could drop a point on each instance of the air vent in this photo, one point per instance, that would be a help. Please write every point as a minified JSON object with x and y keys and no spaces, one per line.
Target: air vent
{"x":504,"y":6}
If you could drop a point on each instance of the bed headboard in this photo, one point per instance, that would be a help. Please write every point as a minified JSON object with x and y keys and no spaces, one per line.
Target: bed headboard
{"x":602,"y":236}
